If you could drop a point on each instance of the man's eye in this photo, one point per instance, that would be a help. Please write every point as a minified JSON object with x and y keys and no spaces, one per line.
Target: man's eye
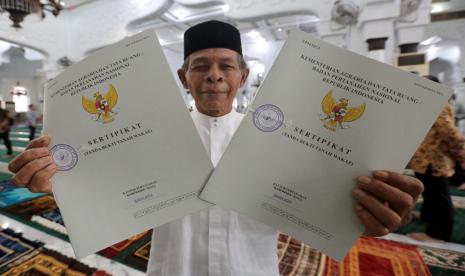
{"x":200,"y":67}
{"x":228,"y":66}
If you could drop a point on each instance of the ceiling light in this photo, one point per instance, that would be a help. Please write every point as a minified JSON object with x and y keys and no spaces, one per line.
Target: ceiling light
{"x":253,"y":34}
{"x":18,"y":9}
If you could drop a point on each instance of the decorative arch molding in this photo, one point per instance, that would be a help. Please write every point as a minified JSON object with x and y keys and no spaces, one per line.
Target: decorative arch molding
{"x":446,"y":71}
{"x":156,"y":12}
{"x":444,"y":57}
{"x":22,"y":44}
{"x":199,"y":3}
{"x":93,"y":50}
{"x":249,"y":10}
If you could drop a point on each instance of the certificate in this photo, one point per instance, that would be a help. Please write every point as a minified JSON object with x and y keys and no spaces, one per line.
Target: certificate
{"x":322,"y":117}
{"x":128,"y":154}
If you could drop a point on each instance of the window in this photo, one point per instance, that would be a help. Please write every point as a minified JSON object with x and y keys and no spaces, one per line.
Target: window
{"x":20,"y":99}
{"x":21,"y":103}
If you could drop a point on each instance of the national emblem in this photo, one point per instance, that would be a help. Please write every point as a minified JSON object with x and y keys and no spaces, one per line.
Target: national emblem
{"x":102,"y":106}
{"x":339,"y":113}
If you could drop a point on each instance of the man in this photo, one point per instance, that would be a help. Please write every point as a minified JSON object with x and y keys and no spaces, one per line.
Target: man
{"x":215,"y":241}
{"x":31,"y":120}
{"x":6,"y":121}
{"x":434,"y":164}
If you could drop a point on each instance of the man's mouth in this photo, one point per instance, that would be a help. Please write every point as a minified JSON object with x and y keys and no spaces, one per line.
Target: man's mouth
{"x":214,"y":92}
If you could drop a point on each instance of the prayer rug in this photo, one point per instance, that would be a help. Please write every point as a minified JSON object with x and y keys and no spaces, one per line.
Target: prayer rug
{"x":25,"y":210}
{"x":113,"y":251}
{"x":51,"y":219}
{"x":138,"y":259}
{"x":456,"y":192}
{"x":5,"y":159}
{"x":5,"y":176}
{"x":21,"y":134}
{"x":10,"y":194}
{"x":377,"y":257}
{"x":35,"y":212}
{"x":442,"y":261}
{"x":50,"y":224}
{"x":144,"y":251}
{"x":136,"y":252}
{"x":43,"y":214}
{"x":296,"y":258}
{"x":14,"y":247}
{"x":25,"y":129}
{"x":49,"y":262}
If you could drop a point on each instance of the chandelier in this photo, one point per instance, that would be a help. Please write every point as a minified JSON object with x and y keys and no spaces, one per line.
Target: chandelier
{"x":18,"y":9}
{"x":18,"y":90}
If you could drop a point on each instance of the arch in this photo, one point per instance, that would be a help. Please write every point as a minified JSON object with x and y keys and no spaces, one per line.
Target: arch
{"x":42,"y":51}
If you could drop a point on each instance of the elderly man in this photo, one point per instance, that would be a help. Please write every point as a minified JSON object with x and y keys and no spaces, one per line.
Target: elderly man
{"x":215,"y":241}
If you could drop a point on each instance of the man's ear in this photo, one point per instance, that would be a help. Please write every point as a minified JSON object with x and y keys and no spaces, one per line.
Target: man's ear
{"x":182,"y":77}
{"x":245,"y":74}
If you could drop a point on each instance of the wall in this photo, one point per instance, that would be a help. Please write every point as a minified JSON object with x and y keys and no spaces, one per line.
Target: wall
{"x":24,"y":71}
{"x":454,"y":32}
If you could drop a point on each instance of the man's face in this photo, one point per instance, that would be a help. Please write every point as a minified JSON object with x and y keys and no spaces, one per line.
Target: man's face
{"x":213,"y":78}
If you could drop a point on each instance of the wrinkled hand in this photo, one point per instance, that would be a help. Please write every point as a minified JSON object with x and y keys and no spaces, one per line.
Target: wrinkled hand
{"x":384,"y":201}
{"x":34,"y":167}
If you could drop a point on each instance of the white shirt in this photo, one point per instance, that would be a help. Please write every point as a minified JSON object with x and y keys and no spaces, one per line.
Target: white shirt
{"x":31,"y":117}
{"x":214,"y":241}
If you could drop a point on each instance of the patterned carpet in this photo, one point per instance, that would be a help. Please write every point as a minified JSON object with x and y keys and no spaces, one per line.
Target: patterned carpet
{"x":371,"y":256}
{"x":443,"y":262}
{"x":296,"y":258}
{"x":43,"y":214}
{"x":22,"y":257}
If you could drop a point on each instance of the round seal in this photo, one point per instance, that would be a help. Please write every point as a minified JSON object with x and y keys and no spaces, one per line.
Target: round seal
{"x":268,"y":118}
{"x":65,"y":157}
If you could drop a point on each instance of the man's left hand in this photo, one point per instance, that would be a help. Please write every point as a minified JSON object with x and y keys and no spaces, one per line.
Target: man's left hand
{"x":385,"y":200}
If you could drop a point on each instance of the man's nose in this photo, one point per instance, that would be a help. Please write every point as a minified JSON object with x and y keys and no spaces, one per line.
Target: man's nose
{"x":215,"y":74}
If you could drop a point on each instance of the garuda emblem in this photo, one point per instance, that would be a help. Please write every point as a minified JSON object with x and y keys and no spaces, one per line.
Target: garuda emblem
{"x":102,"y":106}
{"x":338,"y":113}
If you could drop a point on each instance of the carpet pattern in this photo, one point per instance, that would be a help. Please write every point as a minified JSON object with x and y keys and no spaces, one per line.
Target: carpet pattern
{"x":442,"y":261}
{"x":10,"y":195}
{"x":43,"y":214}
{"x":377,"y":257}
{"x":20,"y":256}
{"x":296,"y":258}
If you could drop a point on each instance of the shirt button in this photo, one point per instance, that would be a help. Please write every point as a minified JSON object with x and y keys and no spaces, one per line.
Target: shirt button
{"x":215,"y":124}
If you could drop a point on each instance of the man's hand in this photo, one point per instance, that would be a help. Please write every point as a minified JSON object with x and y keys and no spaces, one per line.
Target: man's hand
{"x":34,"y":167}
{"x":384,"y":201}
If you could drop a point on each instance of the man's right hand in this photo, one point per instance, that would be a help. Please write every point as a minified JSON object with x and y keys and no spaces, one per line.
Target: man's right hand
{"x":34,"y":167}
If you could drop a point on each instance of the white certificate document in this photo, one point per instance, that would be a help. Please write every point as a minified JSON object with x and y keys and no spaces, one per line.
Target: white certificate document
{"x":322,"y":117}
{"x":128,"y":153}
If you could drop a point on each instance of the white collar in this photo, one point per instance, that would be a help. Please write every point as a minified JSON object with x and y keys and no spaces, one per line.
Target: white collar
{"x":208,"y":120}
